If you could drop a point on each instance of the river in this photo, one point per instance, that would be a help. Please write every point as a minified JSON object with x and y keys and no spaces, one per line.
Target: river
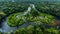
{"x":6,"y":28}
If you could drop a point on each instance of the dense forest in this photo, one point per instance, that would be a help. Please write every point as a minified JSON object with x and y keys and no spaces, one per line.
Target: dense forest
{"x":41,"y":17}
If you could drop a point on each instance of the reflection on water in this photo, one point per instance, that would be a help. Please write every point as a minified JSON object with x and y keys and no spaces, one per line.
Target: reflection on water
{"x":6,"y":28}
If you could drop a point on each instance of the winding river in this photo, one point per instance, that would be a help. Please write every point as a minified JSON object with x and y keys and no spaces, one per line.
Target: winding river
{"x":6,"y":28}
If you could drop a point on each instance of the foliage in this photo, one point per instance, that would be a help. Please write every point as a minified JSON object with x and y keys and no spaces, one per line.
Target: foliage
{"x":13,"y":7}
{"x":51,"y":31}
{"x":15,"y":20}
{"x":39,"y":17}
{"x":29,"y":30}
{"x":20,"y":31}
{"x":49,"y":7}
{"x":32,"y":16}
{"x":36,"y":30}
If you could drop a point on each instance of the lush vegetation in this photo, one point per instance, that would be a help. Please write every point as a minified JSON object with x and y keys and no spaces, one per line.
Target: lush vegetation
{"x":36,"y":30}
{"x":12,"y":7}
{"x":38,"y":18}
{"x":15,"y":8}
{"x":49,"y":7}
{"x":33,"y":16}
{"x":15,"y":20}
{"x":29,"y":30}
{"x":7,"y":8}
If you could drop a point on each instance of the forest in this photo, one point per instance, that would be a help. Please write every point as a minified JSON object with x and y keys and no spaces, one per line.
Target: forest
{"x":30,"y":17}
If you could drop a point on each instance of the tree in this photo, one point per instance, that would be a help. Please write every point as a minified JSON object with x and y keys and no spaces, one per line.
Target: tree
{"x":52,"y":31}
{"x":38,"y":31}
{"x":21,"y":31}
{"x":30,"y":29}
